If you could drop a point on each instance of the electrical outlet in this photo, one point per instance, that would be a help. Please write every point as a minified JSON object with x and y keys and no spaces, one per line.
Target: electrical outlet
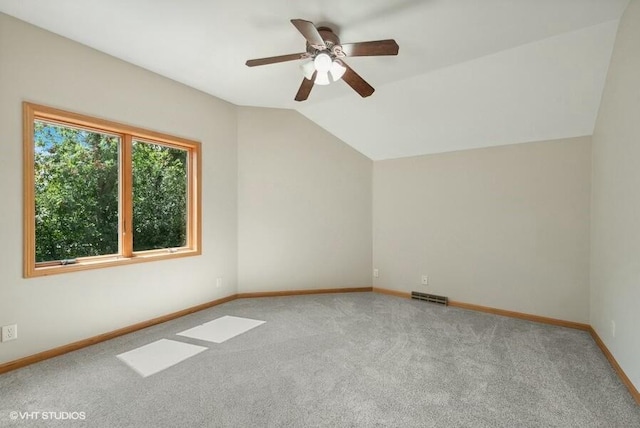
{"x":218,"y":282}
{"x":613,"y":328}
{"x":425,"y":280}
{"x":376,"y":273}
{"x":9,"y":332}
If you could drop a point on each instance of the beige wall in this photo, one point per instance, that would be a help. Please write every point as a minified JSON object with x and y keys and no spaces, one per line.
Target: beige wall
{"x":615,"y":231}
{"x":41,"y":67}
{"x":506,"y":227}
{"x":304,"y":205}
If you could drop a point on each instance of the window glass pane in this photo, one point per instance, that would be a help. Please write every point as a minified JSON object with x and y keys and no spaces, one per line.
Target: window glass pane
{"x":76,"y":192}
{"x":159,"y":196}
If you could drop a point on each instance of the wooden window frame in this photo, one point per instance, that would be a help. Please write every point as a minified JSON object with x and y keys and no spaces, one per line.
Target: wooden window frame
{"x":126,"y":255}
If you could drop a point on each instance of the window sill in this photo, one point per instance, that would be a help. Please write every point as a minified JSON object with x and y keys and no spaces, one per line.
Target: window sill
{"x":109,"y":261}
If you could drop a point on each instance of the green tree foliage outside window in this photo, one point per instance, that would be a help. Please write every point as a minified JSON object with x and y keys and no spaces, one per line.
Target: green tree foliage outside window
{"x":159,"y":196}
{"x":77,"y":194}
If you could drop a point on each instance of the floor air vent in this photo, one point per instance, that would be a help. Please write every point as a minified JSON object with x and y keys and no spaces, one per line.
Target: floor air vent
{"x":441,"y":300}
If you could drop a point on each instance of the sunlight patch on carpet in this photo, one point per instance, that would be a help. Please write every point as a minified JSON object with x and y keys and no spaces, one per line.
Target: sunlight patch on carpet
{"x":160,"y":355}
{"x":221,"y":329}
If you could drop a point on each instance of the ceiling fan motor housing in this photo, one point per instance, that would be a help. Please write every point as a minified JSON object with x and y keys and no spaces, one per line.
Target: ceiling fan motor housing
{"x":331,"y":40}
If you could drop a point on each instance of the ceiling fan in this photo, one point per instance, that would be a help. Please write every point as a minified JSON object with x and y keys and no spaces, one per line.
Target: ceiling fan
{"x":325,"y":58}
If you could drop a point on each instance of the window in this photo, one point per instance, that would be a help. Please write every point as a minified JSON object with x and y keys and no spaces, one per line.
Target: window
{"x":98,"y":193}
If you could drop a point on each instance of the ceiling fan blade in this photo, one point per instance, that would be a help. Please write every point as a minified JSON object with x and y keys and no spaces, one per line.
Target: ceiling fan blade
{"x":274,"y":59}
{"x":310,"y":32}
{"x":305,"y":88}
{"x":358,"y":84}
{"x":375,"y":48}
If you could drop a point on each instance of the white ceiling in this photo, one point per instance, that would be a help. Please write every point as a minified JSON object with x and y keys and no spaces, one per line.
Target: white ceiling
{"x":469,"y":73}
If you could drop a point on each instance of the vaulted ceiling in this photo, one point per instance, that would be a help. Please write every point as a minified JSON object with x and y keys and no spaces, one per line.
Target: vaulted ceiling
{"x":469,"y":73}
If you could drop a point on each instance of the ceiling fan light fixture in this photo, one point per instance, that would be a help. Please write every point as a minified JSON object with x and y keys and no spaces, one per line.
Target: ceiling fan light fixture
{"x":337,"y":70}
{"x":322,"y":62}
{"x":322,"y":78}
{"x":308,"y":68}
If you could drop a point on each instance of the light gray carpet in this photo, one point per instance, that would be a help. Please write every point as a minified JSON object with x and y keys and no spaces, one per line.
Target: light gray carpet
{"x":358,"y":359}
